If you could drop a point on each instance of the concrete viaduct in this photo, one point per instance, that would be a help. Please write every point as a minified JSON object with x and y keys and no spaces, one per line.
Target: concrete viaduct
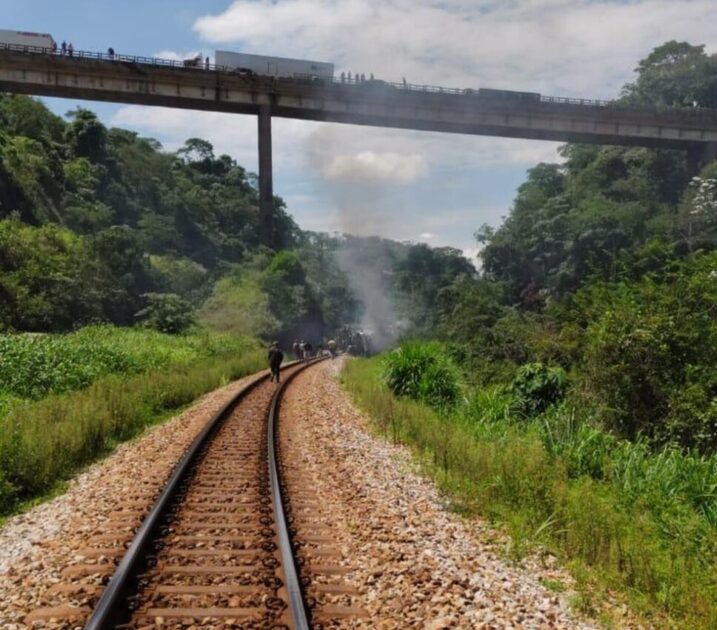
{"x":146,"y":81}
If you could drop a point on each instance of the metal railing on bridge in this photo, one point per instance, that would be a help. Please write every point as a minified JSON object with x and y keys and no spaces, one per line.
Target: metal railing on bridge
{"x":203,"y":64}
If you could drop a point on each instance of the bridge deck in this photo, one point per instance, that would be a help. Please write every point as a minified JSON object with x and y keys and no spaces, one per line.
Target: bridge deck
{"x":151,"y":82}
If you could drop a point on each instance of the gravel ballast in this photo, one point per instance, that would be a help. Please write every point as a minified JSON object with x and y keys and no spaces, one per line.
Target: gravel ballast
{"x":36,"y":546}
{"x":412,"y":562}
{"x":415,"y":564}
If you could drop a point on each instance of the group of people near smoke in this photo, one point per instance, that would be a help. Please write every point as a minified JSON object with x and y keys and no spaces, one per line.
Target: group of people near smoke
{"x":302,"y":351}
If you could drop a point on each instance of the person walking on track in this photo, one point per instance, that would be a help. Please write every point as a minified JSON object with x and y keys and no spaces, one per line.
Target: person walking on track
{"x":275,"y":357}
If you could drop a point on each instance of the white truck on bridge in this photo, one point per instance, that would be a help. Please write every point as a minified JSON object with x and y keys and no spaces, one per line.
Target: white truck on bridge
{"x":275,"y":66}
{"x":27,"y":39}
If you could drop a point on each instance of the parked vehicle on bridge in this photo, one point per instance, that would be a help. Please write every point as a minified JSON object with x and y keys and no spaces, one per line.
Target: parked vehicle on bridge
{"x":27,"y":39}
{"x":192,"y":62}
{"x":279,"y":67}
{"x":507,"y":96}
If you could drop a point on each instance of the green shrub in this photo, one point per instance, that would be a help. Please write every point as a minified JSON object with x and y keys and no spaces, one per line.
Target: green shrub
{"x":423,"y":371}
{"x":585,"y":450}
{"x":491,"y":404}
{"x":238,"y":305}
{"x":651,"y":355}
{"x":537,"y":386}
{"x":166,"y":312}
{"x":624,"y":517}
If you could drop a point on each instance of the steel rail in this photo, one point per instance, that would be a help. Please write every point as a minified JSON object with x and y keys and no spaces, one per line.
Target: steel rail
{"x":297,"y":604}
{"x":111,"y":610}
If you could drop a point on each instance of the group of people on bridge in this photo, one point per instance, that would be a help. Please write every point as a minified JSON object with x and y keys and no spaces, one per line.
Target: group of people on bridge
{"x":69,"y":50}
{"x":65,"y":48}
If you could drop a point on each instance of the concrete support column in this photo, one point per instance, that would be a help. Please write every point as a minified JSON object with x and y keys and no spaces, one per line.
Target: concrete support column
{"x":266,"y":186}
{"x":698,"y":157}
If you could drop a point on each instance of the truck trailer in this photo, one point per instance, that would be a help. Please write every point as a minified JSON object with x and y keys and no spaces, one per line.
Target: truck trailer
{"x":27,"y":39}
{"x":274,"y":66}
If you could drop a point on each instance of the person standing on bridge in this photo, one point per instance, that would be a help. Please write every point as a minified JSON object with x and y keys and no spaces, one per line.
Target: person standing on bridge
{"x":70,"y":49}
{"x":63,"y":48}
{"x":275,"y":357}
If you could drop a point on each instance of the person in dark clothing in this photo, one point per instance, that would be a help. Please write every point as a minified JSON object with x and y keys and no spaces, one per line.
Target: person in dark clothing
{"x":275,"y":357}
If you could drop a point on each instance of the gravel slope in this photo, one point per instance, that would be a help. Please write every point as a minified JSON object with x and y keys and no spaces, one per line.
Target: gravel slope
{"x":416,"y":565}
{"x":37,"y":545}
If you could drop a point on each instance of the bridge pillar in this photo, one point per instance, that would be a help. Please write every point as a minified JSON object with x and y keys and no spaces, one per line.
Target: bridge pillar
{"x":266,"y":187}
{"x":699,"y":157}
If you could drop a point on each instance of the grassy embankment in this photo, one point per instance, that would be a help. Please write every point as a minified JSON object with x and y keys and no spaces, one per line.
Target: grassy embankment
{"x":67,"y":399}
{"x":622,"y":518}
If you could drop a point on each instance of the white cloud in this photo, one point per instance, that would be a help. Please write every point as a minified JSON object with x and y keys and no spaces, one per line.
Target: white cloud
{"x":577,"y":47}
{"x":426,"y":236}
{"x":366,"y":166}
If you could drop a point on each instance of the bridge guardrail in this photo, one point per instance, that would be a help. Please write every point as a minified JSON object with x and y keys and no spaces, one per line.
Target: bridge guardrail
{"x":198,"y":64}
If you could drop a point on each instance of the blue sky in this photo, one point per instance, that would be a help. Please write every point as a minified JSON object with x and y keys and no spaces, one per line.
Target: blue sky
{"x":417,"y":186}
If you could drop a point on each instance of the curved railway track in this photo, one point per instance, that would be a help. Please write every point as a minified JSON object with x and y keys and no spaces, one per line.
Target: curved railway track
{"x":227,"y":543}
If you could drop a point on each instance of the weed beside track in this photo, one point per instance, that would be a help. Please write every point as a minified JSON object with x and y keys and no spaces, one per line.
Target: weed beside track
{"x":651,"y":541}
{"x":44,"y":441}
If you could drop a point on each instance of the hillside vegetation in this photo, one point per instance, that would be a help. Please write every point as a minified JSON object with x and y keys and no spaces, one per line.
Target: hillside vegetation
{"x":572,"y":393}
{"x":102,"y":225}
{"x":132,"y":280}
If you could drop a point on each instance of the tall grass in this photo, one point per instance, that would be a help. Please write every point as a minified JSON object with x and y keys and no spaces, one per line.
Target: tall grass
{"x":33,"y":366}
{"x":623,"y":518}
{"x":45,"y":441}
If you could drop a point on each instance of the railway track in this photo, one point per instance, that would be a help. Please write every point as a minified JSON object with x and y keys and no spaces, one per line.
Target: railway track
{"x":235,"y":539}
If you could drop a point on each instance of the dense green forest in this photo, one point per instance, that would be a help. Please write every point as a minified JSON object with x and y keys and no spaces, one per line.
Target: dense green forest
{"x":605,"y":267}
{"x":101,"y":225}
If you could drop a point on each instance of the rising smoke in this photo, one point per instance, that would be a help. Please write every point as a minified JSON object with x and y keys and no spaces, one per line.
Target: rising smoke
{"x":369,"y":284}
{"x":357,"y":184}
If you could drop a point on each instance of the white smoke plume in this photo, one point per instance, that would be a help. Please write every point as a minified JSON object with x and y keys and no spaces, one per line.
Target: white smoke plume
{"x":357,"y":183}
{"x":368,"y":283}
